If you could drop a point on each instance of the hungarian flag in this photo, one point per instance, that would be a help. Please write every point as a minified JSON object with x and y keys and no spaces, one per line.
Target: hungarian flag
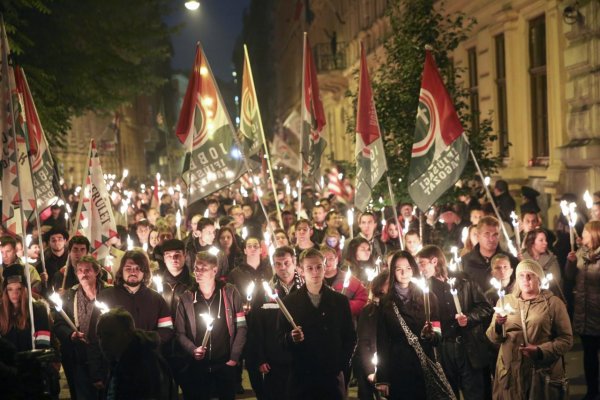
{"x":250,"y":123}
{"x":94,"y":218}
{"x":370,"y":154}
{"x":312,"y":144}
{"x":214,"y":159}
{"x":42,"y":164}
{"x":17,"y":187}
{"x":440,"y":151}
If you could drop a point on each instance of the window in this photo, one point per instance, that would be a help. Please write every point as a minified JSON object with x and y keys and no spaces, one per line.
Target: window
{"x":473,"y":89}
{"x":501,"y":95}
{"x":539,"y":90}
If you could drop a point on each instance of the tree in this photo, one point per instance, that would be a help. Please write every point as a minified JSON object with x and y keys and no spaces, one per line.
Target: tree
{"x":414,"y":24}
{"x":82,"y":55}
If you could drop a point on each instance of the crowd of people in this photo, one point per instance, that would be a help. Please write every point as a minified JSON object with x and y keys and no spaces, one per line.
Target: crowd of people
{"x":425,"y":305}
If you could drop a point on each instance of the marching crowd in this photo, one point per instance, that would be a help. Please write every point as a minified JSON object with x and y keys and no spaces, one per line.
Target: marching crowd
{"x":429,"y":305}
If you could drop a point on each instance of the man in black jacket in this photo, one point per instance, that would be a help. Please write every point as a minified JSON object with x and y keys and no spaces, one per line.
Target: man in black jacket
{"x":463,"y":350}
{"x":323,"y":342}
{"x":272,"y":359}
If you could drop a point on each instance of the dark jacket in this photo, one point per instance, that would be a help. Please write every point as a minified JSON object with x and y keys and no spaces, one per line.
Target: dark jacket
{"x":399,"y":365}
{"x":329,"y":335}
{"x":174,"y":287}
{"x":21,"y":338}
{"x":141,"y":373}
{"x":148,"y":309}
{"x":84,"y":355}
{"x":262,"y":338}
{"x":366,"y":332}
{"x":243,"y":274}
{"x":186,"y":327}
{"x":586,"y":274}
{"x":478,"y":267}
{"x":478,"y":311}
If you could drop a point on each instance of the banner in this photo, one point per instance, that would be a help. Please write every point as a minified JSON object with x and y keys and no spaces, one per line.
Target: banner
{"x":94,"y":218}
{"x":250,"y":124}
{"x":17,"y":187}
{"x":370,"y":154}
{"x":440,"y":150}
{"x":42,"y":164}
{"x":312,"y":144}
{"x":214,"y":160}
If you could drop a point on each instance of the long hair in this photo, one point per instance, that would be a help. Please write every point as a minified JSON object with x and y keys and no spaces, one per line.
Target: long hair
{"x":11,"y":316}
{"x":430,"y":251}
{"x":593,"y":228}
{"x":235,"y":249}
{"x":353,"y":247}
{"x":141,"y":259}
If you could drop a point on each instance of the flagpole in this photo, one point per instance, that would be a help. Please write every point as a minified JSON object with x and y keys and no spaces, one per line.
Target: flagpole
{"x":262,"y":132}
{"x":5,"y":74}
{"x":393,"y":200}
{"x":487,"y":191}
{"x":238,"y":143}
{"x":302,"y":118}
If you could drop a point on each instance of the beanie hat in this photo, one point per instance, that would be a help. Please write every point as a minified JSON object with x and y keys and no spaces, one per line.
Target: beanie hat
{"x":531,"y":266}
{"x":13,"y":274}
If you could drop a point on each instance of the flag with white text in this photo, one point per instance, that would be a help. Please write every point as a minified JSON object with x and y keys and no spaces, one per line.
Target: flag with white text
{"x":94,"y":218}
{"x":214,"y":159}
{"x":440,"y":150}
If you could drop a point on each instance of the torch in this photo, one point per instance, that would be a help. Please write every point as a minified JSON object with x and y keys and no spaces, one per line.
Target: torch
{"x":208,"y":320}
{"x":55,"y":298}
{"x":282,"y":306}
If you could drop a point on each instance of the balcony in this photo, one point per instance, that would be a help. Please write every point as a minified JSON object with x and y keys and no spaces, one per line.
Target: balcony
{"x":325,"y":58}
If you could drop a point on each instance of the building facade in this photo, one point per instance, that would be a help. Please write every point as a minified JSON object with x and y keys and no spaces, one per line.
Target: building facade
{"x":532,"y":65}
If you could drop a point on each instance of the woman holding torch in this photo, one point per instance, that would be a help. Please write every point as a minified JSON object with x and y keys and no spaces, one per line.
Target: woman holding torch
{"x":536,"y":337}
{"x":400,"y":373}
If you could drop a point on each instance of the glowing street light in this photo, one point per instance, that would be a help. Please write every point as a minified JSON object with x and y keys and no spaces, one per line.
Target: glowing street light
{"x":192,"y":5}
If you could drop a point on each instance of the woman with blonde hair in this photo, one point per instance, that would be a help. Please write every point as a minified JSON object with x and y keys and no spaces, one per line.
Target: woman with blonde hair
{"x":533,"y":339}
{"x":583,"y":267}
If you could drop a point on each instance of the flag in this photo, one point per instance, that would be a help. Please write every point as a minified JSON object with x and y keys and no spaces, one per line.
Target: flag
{"x":214,"y":159}
{"x":440,"y":151}
{"x":335,"y":185}
{"x":40,"y":158}
{"x":370,"y":154}
{"x":250,"y":124}
{"x":94,"y":218}
{"x":17,"y":187}
{"x":312,"y":144}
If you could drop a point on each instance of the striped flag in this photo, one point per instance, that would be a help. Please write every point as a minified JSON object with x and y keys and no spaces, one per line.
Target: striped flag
{"x":312,"y":144}
{"x":42,"y":164}
{"x":250,"y":123}
{"x":370,"y":154}
{"x":94,"y":218}
{"x":17,"y":187}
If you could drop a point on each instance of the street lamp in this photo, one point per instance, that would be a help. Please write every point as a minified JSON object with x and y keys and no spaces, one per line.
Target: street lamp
{"x":192,"y":5}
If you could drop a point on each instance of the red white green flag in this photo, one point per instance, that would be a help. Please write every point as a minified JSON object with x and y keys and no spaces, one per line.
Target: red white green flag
{"x":214,"y":159}
{"x":95,"y":219}
{"x":440,"y":150}
{"x":370,"y":154}
{"x":312,"y":144}
{"x":250,"y":123}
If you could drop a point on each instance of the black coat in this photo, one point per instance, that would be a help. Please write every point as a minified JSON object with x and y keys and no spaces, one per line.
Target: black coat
{"x":399,"y":365}
{"x":478,"y":312}
{"x":141,"y":373}
{"x":478,"y":268}
{"x":329,"y":335}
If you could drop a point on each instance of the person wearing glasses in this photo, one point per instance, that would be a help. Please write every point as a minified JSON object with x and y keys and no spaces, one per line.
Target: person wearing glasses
{"x":323,"y":341}
{"x":212,"y":364}
{"x":132,"y":292}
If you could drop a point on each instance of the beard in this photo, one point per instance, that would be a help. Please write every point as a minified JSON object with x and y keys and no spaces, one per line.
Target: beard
{"x":133,"y":284}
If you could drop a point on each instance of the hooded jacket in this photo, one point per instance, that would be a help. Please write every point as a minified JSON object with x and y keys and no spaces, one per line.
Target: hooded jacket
{"x":548,"y":327}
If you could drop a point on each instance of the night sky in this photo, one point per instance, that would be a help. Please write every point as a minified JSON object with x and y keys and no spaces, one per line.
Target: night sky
{"x":216,"y":24}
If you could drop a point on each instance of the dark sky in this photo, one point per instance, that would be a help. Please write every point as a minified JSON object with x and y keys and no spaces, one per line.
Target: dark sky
{"x":216,"y":24}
